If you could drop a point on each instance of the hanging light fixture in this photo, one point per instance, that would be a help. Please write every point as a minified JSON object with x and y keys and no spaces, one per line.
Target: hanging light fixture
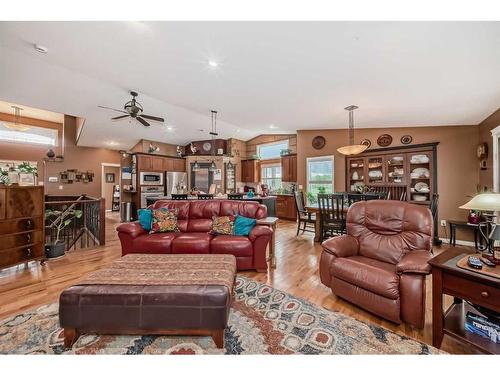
{"x":196,"y":166}
{"x":213,"y":133}
{"x":351,"y":149}
{"x":16,"y":125}
{"x":230,"y":165}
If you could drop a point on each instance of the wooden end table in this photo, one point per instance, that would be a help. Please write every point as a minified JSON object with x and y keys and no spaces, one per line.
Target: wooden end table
{"x":448,"y":278}
{"x":270,"y":221}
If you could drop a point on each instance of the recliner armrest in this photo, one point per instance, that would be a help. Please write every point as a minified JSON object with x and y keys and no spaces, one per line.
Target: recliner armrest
{"x":341,"y":246}
{"x":415,"y":261}
{"x":133,"y":229}
{"x":260,"y":230}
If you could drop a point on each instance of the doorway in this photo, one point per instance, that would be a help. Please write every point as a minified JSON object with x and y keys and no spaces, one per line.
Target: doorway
{"x":110,"y":186}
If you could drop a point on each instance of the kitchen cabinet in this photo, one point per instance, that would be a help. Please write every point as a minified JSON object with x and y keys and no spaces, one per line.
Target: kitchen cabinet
{"x":168,"y":164}
{"x":144,"y":163}
{"x":289,"y":168}
{"x":250,"y":171}
{"x":285,"y":207}
{"x":179,"y":165}
{"x":157,"y":163}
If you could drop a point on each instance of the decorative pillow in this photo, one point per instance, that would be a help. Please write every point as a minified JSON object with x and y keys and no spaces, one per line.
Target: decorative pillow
{"x":164,"y":220}
{"x":145,"y":218}
{"x":243,"y":225}
{"x":222,"y":225}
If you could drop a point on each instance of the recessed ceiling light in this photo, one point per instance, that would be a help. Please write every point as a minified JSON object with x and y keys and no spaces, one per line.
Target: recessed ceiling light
{"x":272,"y":126}
{"x":111,"y":143}
{"x":170,"y":128}
{"x":41,"y":49}
{"x":213,"y":63}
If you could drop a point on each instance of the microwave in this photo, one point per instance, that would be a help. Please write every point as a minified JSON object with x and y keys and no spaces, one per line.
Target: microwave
{"x":151,"y":178}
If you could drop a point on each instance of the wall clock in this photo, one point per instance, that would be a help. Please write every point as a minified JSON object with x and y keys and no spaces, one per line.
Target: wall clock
{"x":207,"y":146}
{"x":384,"y":140}
{"x":318,"y":142}
{"x":406,"y":139}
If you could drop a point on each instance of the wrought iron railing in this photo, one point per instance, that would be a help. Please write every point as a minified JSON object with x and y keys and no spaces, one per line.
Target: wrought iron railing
{"x":85,"y":231}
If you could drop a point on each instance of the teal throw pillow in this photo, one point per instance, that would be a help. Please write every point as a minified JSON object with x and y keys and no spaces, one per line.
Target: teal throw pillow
{"x":145,"y":218}
{"x":243,"y":225}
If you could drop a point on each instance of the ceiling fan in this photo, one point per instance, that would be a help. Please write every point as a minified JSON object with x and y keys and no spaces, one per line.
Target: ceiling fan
{"x":134,"y":109}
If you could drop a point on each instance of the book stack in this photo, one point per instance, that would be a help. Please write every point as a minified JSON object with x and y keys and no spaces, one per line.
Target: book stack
{"x":482,"y":326}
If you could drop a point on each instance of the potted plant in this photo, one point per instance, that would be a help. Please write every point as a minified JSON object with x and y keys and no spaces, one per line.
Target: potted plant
{"x":59,"y":220}
{"x":27,"y":173}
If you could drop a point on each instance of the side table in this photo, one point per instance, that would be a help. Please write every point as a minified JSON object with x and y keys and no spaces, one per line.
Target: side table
{"x":271,"y":221}
{"x":477,"y":288}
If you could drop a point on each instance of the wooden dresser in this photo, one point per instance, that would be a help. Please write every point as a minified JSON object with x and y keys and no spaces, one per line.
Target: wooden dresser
{"x":21,"y":224}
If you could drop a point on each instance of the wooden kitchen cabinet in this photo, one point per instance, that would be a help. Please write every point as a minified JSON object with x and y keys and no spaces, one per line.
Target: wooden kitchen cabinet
{"x":168,"y":164}
{"x":289,"y":168}
{"x":157,"y":163}
{"x":285,"y":207}
{"x":179,"y":165}
{"x":144,"y":163}
{"x":250,"y":171}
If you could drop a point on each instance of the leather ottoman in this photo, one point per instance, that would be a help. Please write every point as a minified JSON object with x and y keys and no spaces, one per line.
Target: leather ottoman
{"x":161,"y":294}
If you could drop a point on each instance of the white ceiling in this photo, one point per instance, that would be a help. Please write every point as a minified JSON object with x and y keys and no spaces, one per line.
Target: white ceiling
{"x":293,"y":75}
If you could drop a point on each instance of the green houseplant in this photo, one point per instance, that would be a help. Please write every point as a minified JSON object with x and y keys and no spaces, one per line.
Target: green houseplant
{"x":59,"y":220}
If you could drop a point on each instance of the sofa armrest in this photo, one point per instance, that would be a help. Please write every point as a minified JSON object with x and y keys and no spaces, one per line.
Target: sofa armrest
{"x":341,"y":246}
{"x":259,"y":230}
{"x":133,"y":229}
{"x":415,"y":261}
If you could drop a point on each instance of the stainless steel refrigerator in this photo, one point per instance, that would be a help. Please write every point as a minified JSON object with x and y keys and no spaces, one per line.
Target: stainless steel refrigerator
{"x":175,"y":183}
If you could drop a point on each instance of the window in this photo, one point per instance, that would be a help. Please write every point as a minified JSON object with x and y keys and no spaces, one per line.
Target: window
{"x":271,"y":150}
{"x":319,"y":177}
{"x":271,"y":176}
{"x":33,"y":135}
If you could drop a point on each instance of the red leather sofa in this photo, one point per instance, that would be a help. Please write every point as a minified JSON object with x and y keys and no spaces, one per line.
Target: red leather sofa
{"x":381,"y":264}
{"x":194,"y":220}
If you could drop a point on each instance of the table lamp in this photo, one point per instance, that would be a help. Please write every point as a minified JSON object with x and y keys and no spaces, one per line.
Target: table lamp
{"x":487,"y":202}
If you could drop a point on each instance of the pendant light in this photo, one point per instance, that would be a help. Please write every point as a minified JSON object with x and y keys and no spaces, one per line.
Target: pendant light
{"x":196,"y":166}
{"x":16,"y":125}
{"x":213,"y":133}
{"x":230,"y":165}
{"x":351,"y":149}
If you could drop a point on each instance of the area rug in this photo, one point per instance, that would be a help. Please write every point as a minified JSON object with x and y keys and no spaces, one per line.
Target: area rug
{"x":263,"y":320}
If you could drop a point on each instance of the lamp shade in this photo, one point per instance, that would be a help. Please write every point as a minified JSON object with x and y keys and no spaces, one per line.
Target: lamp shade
{"x":484,"y":202}
{"x":495,"y":233}
{"x":352,"y":149}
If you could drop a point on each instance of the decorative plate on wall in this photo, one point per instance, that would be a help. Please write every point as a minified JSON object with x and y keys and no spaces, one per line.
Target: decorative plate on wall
{"x":406,"y":139}
{"x":318,"y":142}
{"x":366,"y":142}
{"x":384,"y":140}
{"x":207,"y":146}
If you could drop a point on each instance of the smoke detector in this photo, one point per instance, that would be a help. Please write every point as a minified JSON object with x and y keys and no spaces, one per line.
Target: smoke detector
{"x":41,"y":49}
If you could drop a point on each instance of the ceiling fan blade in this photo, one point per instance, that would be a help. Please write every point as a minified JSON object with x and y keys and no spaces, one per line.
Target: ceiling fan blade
{"x":153,"y":118}
{"x":119,"y":117}
{"x":142,"y":121}
{"x":113,"y":109}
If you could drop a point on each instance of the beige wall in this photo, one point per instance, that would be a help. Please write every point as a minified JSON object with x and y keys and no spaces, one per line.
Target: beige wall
{"x":485,"y":127}
{"x":251,"y":145}
{"x":457,"y":164}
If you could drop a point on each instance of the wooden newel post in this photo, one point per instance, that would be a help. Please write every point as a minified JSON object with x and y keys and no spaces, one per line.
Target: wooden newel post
{"x":102,"y":221}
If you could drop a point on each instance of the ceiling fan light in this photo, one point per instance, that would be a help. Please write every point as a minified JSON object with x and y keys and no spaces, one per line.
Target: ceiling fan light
{"x":352,"y":149}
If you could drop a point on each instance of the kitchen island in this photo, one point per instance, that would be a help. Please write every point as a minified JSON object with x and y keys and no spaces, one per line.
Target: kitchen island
{"x":268,"y":201}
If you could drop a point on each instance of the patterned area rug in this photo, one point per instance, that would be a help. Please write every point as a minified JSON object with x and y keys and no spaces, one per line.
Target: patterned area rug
{"x":263,"y":320}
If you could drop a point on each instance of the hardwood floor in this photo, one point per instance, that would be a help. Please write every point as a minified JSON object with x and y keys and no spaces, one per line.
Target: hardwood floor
{"x":23,"y":288}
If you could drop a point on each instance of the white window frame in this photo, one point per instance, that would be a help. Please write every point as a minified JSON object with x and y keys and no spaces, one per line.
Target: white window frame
{"x":320,"y":158}
{"x":271,"y":165}
{"x":270,"y":144}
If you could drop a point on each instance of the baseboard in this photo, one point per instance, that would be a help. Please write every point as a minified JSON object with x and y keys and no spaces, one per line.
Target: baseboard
{"x":459,"y":242}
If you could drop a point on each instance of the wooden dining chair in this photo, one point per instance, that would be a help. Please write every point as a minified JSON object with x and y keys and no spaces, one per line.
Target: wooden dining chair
{"x":353,"y":198}
{"x":235,"y":197}
{"x":205,"y":196}
{"x":304,"y":217}
{"x":332,"y":217}
{"x":179,"y":197}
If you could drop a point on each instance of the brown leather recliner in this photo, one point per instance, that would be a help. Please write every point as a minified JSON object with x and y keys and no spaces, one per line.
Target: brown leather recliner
{"x":381,"y":264}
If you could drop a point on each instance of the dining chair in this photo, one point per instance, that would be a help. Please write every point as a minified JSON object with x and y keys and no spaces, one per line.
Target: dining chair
{"x":332,"y":217}
{"x":235,"y":197}
{"x":305,"y":217}
{"x":353,"y":198}
{"x":179,"y":197}
{"x":205,"y":196}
